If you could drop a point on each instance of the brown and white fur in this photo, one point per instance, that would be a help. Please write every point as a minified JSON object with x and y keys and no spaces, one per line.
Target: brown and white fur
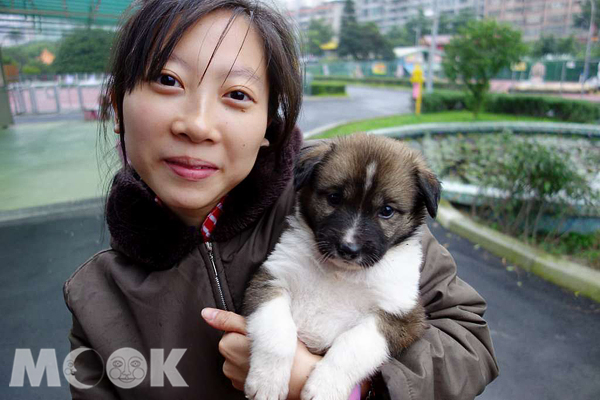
{"x":344,"y":277}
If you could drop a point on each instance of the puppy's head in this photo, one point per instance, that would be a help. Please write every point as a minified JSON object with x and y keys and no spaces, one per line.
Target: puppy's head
{"x":363,"y":194}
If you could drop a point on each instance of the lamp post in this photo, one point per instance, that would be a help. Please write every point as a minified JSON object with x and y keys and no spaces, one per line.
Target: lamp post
{"x":432,"y":46}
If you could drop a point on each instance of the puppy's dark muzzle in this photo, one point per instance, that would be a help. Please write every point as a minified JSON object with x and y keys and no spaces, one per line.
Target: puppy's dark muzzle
{"x":349,"y":251}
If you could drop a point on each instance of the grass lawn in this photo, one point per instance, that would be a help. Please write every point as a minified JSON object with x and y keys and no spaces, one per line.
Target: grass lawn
{"x":410,"y":119}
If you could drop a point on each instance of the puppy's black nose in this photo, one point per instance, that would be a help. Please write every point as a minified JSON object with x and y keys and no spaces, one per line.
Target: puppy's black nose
{"x":348,"y":251}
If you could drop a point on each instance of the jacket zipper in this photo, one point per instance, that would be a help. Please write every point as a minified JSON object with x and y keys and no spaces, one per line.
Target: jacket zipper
{"x":211,"y":256}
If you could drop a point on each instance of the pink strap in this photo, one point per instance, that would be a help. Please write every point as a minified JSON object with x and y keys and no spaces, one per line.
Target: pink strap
{"x":355,"y":394}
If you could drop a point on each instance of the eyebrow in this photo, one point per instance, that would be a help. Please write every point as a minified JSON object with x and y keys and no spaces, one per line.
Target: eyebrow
{"x":235,"y":71}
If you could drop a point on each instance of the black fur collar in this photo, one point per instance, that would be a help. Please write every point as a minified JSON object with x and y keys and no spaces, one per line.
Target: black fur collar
{"x":152,"y":235}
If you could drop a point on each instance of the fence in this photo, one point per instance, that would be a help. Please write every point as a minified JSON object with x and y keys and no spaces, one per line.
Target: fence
{"x":555,"y":70}
{"x":50,"y":98}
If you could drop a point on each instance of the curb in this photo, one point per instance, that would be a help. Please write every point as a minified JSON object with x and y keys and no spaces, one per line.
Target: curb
{"x":531,"y":127}
{"x":323,"y":128}
{"x":52,"y":211}
{"x":569,"y":275}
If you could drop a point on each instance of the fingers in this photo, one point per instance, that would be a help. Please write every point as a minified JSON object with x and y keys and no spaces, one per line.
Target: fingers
{"x":226,"y":321}
{"x":235,"y":375}
{"x":235,"y":348}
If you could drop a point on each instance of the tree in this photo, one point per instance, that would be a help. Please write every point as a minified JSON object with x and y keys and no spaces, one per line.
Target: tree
{"x":399,"y":36}
{"x":550,"y":45}
{"x":349,"y":38}
{"x":545,"y":45}
{"x":319,"y":33}
{"x":582,"y":20}
{"x":568,"y":45}
{"x":449,"y":24}
{"x":27,"y":54}
{"x":84,"y":50}
{"x":479,"y":52}
{"x":373,"y":43}
{"x":361,"y":41}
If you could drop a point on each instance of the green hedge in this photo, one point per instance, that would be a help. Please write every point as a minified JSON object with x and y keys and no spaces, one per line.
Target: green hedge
{"x":328,"y":89}
{"x":404,"y":82}
{"x":536,"y":106}
{"x":377,"y":81}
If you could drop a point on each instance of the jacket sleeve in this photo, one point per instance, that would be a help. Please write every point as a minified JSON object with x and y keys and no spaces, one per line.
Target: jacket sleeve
{"x":89,"y":368}
{"x":455,"y":357}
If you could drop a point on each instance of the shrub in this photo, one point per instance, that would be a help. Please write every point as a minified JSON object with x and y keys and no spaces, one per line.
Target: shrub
{"x":536,"y":106}
{"x":540,"y":106}
{"x":533,"y":180}
{"x":387,"y":81}
{"x":443,"y":100}
{"x":328,"y":89}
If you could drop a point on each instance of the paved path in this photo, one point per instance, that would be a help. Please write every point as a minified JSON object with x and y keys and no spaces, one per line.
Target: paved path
{"x":363,"y":102}
{"x":545,"y":338}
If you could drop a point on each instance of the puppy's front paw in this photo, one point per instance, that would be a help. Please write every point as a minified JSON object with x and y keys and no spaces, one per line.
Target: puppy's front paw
{"x":324,"y":384}
{"x":267,"y":383}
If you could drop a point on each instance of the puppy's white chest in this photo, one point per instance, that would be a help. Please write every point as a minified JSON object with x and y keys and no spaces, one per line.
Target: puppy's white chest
{"x":325,"y":301}
{"x":324,"y":307}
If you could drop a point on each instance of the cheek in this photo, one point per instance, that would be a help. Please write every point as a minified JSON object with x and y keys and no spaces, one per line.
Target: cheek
{"x":142,"y":120}
{"x":245,"y":139}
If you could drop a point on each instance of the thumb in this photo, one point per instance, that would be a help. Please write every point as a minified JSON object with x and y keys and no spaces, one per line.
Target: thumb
{"x":226,"y":321}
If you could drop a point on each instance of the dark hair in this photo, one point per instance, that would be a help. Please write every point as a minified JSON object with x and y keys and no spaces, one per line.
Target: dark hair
{"x":147,"y":39}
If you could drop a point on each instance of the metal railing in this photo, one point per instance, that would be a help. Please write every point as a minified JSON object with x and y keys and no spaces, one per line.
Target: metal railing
{"x":53,"y":98}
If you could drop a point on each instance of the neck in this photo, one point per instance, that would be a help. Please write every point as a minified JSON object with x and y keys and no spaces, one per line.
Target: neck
{"x":193,"y":218}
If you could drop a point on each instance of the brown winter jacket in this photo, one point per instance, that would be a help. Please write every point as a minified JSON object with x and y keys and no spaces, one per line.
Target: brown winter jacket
{"x":147,"y":291}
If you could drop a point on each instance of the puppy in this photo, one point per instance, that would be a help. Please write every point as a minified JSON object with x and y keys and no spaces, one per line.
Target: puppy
{"x":344,"y":277}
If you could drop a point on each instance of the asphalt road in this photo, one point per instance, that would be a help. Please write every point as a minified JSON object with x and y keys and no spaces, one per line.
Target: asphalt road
{"x":546,"y":339}
{"x":362,"y":102}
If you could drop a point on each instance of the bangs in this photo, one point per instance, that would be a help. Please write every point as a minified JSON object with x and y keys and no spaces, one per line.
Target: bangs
{"x":152,"y":49}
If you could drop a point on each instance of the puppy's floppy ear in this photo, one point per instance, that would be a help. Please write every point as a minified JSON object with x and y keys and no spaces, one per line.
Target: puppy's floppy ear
{"x":310,"y":156}
{"x":430,"y":190}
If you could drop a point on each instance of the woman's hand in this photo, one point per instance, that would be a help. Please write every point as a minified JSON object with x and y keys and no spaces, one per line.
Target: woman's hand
{"x":235,"y":347}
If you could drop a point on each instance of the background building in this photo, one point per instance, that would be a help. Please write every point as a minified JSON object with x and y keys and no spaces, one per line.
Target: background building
{"x":537,"y":17}
{"x":385,"y":13}
{"x":331,"y":12}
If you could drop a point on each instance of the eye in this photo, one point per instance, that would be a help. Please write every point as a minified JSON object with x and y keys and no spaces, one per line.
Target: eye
{"x":238,"y":95}
{"x":334,"y":199}
{"x":168,"y":80}
{"x":386,"y":212}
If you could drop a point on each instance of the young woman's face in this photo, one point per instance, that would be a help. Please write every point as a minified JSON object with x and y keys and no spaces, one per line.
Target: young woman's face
{"x":191,"y":141}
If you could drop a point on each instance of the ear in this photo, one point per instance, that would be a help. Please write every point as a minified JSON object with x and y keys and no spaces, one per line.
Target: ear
{"x":430,"y":190}
{"x":310,"y":156}
{"x":117,"y":128}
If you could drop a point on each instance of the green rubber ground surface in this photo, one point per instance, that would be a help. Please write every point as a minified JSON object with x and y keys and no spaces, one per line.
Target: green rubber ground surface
{"x":47,"y":163}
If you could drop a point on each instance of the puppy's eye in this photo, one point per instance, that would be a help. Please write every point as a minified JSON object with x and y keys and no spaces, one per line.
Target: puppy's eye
{"x":386,"y":212}
{"x":334,"y":199}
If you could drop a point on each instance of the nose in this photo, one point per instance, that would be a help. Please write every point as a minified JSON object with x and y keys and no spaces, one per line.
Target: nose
{"x":195,"y":123}
{"x":348,"y":250}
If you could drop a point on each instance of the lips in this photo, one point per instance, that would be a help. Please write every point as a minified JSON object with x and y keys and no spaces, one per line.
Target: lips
{"x":191,"y":169}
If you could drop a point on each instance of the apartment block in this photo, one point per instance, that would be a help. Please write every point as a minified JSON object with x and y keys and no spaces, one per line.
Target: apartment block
{"x":537,"y":17}
{"x":385,"y":13}
{"x":331,"y":12}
